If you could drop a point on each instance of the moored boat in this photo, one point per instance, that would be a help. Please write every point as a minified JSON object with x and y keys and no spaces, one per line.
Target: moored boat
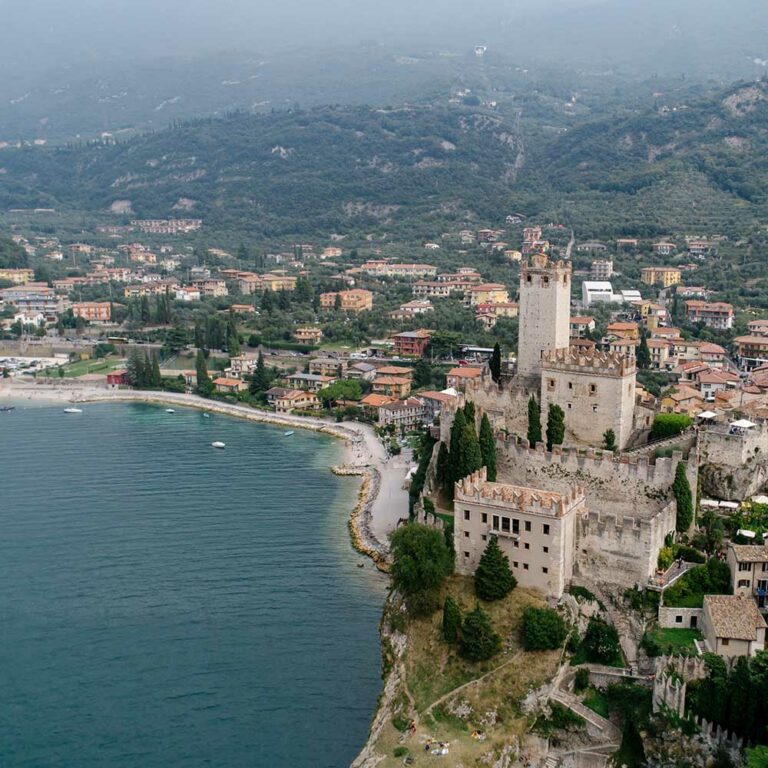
{"x":72,"y":409}
{"x":218,"y":444}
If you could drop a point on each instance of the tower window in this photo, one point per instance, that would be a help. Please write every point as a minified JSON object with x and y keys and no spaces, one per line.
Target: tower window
{"x":550,"y":383}
{"x":592,"y":389}
{"x":594,"y":409}
{"x":545,"y":280}
{"x":570,"y":385}
{"x":528,"y":278}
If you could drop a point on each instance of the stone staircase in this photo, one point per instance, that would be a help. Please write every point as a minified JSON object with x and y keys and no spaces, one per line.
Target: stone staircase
{"x":605,"y":729}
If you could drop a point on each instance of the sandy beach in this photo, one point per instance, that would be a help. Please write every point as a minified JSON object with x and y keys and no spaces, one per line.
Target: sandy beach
{"x":386,"y":500}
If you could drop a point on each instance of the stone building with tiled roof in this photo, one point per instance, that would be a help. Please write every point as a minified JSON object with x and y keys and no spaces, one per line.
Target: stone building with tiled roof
{"x":733,"y":625}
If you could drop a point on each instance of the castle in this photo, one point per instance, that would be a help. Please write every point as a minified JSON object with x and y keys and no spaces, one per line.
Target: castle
{"x":606,"y":514}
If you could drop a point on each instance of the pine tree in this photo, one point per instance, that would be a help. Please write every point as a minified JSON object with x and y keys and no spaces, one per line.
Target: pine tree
{"x":260,"y":380}
{"x":443,"y":468}
{"x":681,"y":490}
{"x":451,"y":620}
{"x":493,"y":579}
{"x":609,"y":440}
{"x":495,"y":363}
{"x":555,"y":426}
{"x":135,"y":368}
{"x":534,"y":422}
{"x":488,"y":448}
{"x":478,"y":640}
{"x":337,"y":302}
{"x":643,"y":355}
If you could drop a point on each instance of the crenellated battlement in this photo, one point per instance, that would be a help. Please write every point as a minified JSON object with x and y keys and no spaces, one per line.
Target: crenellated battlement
{"x":579,"y":360}
{"x":475,"y":487}
{"x":541,"y":263}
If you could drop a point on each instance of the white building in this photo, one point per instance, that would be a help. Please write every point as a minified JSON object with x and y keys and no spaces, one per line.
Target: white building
{"x":596,"y":292}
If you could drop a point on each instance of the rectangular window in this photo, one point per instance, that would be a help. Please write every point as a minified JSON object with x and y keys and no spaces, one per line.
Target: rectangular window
{"x":545,"y":570}
{"x":466,"y":514}
{"x":527,"y":546}
{"x":765,"y":566}
{"x":550,"y":383}
{"x":678,"y":619}
{"x":745,"y":566}
{"x":515,"y":526}
{"x":484,"y":517}
{"x":516,"y":545}
{"x":525,"y":566}
{"x":594,"y":409}
{"x":484,"y":537}
{"x":546,"y":550}
{"x":527,"y":525}
{"x":592,"y":389}
{"x":466,"y":534}
{"x":466,"y":555}
{"x":495,"y":522}
{"x":743,"y":583}
{"x":545,"y":528}
{"x":514,"y":564}
{"x":724,"y":641}
{"x":505,"y":524}
{"x":570,"y":385}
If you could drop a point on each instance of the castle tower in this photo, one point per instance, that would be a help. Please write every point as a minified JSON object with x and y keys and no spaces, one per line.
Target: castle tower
{"x":545,"y":311}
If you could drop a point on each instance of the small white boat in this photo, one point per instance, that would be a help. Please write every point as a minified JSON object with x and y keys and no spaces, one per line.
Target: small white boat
{"x":169,"y":410}
{"x":72,"y":409}
{"x":206,"y":415}
{"x":218,"y":444}
{"x":288,"y":433}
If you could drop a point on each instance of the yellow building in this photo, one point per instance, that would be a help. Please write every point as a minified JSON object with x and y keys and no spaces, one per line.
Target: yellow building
{"x":17,"y":276}
{"x":663,"y":276}
{"x":355,"y":300}
{"x":488,"y":293}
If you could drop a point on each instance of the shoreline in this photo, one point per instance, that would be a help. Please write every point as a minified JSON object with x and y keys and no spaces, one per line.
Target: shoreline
{"x":364,"y":455}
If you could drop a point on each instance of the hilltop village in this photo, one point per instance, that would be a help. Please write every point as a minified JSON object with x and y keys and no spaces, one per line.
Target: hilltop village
{"x":590,"y":420}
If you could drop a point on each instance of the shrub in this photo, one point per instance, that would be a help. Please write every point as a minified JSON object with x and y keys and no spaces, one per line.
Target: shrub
{"x":493,"y":579}
{"x":451,"y":620}
{"x":581,"y":681}
{"x":669,"y":425}
{"x":691,"y":555}
{"x":666,"y":557}
{"x":542,"y":629}
{"x":601,"y":642}
{"x":478,"y":640}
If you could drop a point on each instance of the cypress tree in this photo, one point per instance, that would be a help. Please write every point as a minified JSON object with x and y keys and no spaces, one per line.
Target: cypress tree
{"x":681,"y":490}
{"x":478,"y":640}
{"x":495,"y":363}
{"x":451,"y":620}
{"x":493,"y":579}
{"x":555,"y":426}
{"x":534,"y":422}
{"x":456,"y":449}
{"x":643,"y":356}
{"x":204,"y":383}
{"x":260,"y":380}
{"x":233,"y":344}
{"x":472,"y":456}
{"x":156,"y":377}
{"x":443,"y":468}
{"x":488,"y":448}
{"x":469,"y":412}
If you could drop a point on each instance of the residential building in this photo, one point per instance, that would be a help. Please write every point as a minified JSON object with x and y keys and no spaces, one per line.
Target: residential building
{"x":488,"y":293}
{"x":489,"y":314}
{"x":392,"y":386}
{"x":297,"y":400}
{"x":17,"y":276}
{"x":186,"y":293}
{"x":692,"y":292}
{"x":211,"y":289}
{"x":35,"y":297}
{"x":601,"y":269}
{"x":396,"y":370}
{"x":361,"y":371}
{"x":167,"y":226}
{"x":372,"y":402}
{"x":717,"y":315}
{"x":93,"y":311}
{"x":328,"y":366}
{"x":622,"y":330}
{"x":274,"y":392}
{"x":434,"y":289}
{"x":683,"y":400}
{"x":711,"y":382}
{"x":458,"y":378}
{"x":627,"y":243}
{"x":385,"y":269}
{"x":403,"y":414}
{"x":229,"y":386}
{"x":308,"y":335}
{"x":596,"y":292}
{"x":581,"y":326}
{"x":659,"y":350}
{"x":749,"y":570}
{"x":535,"y":529}
{"x":242,"y":309}
{"x":412,"y":309}
{"x":277,"y":281}
{"x":664,"y":248}
{"x":354,"y":300}
{"x":411,"y":343}
{"x":733,"y":626}
{"x":242,"y":365}
{"x":592,"y":246}
{"x":434,"y":402}
{"x":313,"y":382}
{"x":663,"y":276}
{"x":751,"y":350}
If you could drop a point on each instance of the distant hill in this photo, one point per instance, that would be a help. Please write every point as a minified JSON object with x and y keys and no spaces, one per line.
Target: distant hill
{"x":700,"y":166}
{"x":300,"y":172}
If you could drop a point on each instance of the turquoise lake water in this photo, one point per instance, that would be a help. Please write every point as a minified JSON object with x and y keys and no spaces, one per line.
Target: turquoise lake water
{"x":163,"y":603}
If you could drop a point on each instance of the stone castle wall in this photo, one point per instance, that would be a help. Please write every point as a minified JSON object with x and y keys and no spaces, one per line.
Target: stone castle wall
{"x":734,"y":467}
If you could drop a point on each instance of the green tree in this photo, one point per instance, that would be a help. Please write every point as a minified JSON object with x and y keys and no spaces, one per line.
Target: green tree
{"x":470,"y":412}
{"x":669,"y":425}
{"x":349,"y":389}
{"x":493,"y":578}
{"x":757,"y":757}
{"x":542,"y":629}
{"x":176,"y":338}
{"x":451,"y":620}
{"x":443,"y":469}
{"x":421,"y":561}
{"x":337,"y":302}
{"x":555,"y":426}
{"x":260,"y":380}
{"x":267,"y":301}
{"x":204,"y":383}
{"x":456,"y":451}
{"x":534,"y":422}
{"x":478,"y":640}
{"x":422,"y":374}
{"x":495,"y":363}
{"x":303,"y":293}
{"x":601,"y":642}
{"x":472,"y":457}
{"x":609,"y":440}
{"x":136,"y":369}
{"x":681,"y":490}
{"x":488,"y":448}
{"x":643,"y":354}
{"x":156,"y":377}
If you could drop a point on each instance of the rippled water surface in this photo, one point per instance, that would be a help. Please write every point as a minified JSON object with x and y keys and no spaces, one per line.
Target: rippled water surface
{"x":163,"y":603}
